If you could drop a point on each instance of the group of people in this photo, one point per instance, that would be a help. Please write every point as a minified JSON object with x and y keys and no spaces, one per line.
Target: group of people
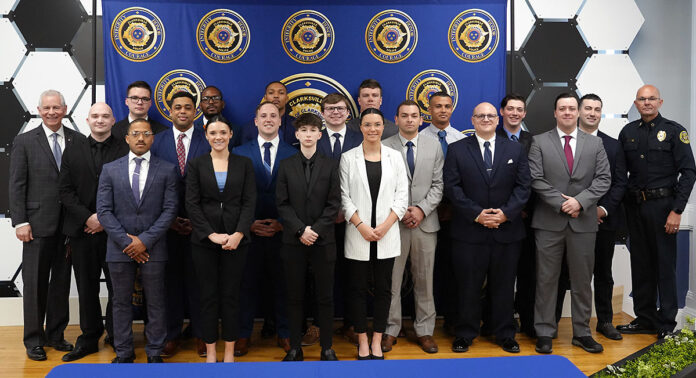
{"x":219,"y":223}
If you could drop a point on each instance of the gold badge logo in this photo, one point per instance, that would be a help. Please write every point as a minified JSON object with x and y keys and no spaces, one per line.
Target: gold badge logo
{"x":391,"y":36}
{"x":684,"y":137}
{"x":137,"y":34}
{"x":661,"y":135}
{"x":223,"y":35}
{"x":307,"y":36}
{"x":473,"y":35}
{"x":425,"y":83}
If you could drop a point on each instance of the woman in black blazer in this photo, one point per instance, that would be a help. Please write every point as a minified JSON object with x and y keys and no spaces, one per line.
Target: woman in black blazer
{"x":220,"y":200}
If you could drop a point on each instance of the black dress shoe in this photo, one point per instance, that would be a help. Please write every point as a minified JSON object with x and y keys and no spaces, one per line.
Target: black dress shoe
{"x":154,"y":360}
{"x":36,"y":353}
{"x":294,"y":354}
{"x":78,"y":353}
{"x":588,"y":343}
{"x":608,"y":330}
{"x":377,"y":357}
{"x":510,"y":345}
{"x":662,"y":334}
{"x":328,"y":355}
{"x":635,"y":328}
{"x":123,"y":360}
{"x":61,"y":345}
{"x":460,"y":345}
{"x":363,"y":358}
{"x":544,"y":345}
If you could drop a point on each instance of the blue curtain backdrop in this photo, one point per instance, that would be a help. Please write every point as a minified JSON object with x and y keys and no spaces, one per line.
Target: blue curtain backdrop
{"x":147,"y":44}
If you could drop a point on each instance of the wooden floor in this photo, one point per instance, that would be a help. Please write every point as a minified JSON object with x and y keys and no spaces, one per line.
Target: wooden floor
{"x":14,"y":363}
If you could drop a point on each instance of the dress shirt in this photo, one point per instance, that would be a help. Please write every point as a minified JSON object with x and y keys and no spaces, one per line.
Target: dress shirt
{"x":131,"y":119}
{"x":144,"y":167}
{"x":491,"y":147}
{"x":274,"y":148}
{"x":509,"y":134}
{"x":332,"y":140}
{"x":405,"y":148}
{"x":453,"y":134}
{"x":186,"y":141}
{"x":49,"y":136}
{"x":573,"y":139}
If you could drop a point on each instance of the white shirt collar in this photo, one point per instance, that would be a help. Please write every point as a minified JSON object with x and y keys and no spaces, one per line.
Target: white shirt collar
{"x":481,"y":140}
{"x":188,"y":133}
{"x":404,"y":140}
{"x":561,"y":134}
{"x":145,"y":156}
{"x":274,"y":141}
{"x":342,"y":133}
{"x":131,"y":119}
{"x":49,"y":132}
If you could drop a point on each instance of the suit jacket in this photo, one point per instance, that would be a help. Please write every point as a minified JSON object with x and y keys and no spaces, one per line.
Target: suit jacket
{"x":315,"y":205}
{"x":212,"y":211}
{"x":286,"y":131}
{"x":148,"y":219}
{"x":425,"y":186}
{"x":325,"y":143}
{"x":79,"y":180}
{"x":619,"y":181}
{"x":355,"y":197}
{"x":525,"y":137}
{"x":33,"y":186}
{"x":265,"y":185}
{"x":471,"y":189}
{"x":390,"y":127}
{"x":591,"y":179}
{"x":120,"y":128}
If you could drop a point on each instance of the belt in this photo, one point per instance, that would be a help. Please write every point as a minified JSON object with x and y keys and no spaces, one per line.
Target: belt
{"x":649,"y":194}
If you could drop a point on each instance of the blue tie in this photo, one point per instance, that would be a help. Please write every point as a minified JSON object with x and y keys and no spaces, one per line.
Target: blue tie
{"x":442,"y":135}
{"x":514,"y":138}
{"x":336,"y":154}
{"x":267,"y":157}
{"x":136,"y":180}
{"x":57,"y":153}
{"x":409,"y":157}
{"x":488,"y":157}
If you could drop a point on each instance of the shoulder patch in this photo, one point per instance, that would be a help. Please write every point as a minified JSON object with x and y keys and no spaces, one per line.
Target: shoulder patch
{"x":684,"y":137}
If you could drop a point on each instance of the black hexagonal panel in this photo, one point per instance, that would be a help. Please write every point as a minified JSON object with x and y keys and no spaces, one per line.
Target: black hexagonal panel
{"x":540,"y":109}
{"x":48,"y":23}
{"x":13,"y":116}
{"x":81,"y":49}
{"x":4,"y":190}
{"x":518,"y":79}
{"x":555,"y":51}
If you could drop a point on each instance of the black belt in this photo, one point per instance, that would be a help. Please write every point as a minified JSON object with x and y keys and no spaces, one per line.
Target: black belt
{"x":649,"y":194}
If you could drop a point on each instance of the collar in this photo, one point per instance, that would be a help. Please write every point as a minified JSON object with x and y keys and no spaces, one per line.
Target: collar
{"x":145,"y":156}
{"x":310,"y":160}
{"x":93,"y":142}
{"x":481,"y":140}
{"x":404,"y":140}
{"x":436,"y":129}
{"x":652,"y":122}
{"x":509,"y":134}
{"x":131,"y":119}
{"x":273,"y":141}
{"x":49,"y":132}
{"x":342,"y":133}
{"x":188,"y":133}
{"x":561,"y":134}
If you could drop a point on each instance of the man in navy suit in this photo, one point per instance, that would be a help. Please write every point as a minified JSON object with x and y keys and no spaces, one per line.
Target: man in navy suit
{"x":263,"y":263}
{"x":277,"y":94}
{"x":212,"y":104}
{"x":488,"y":182}
{"x":136,"y":204}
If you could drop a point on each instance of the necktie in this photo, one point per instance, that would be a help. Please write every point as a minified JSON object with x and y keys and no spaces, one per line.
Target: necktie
{"x":409,"y":157}
{"x":267,"y":157}
{"x":307,"y":170}
{"x":98,"y":158}
{"x":568,"y":153}
{"x":181,"y":152}
{"x":442,"y":136}
{"x":514,"y":138}
{"x":57,"y":153}
{"x":136,"y":180}
{"x":336,"y":154}
{"x":488,"y":157}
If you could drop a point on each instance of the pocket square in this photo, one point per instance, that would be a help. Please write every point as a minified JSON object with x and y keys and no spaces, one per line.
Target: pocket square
{"x":510,"y":161}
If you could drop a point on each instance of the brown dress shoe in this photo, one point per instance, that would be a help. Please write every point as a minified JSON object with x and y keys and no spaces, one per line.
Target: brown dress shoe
{"x":428,"y":344}
{"x":241,"y":347}
{"x":284,"y":342}
{"x":311,"y":337}
{"x":387,"y":342}
{"x":350,"y":335}
{"x":170,"y":348}
{"x":200,"y":345}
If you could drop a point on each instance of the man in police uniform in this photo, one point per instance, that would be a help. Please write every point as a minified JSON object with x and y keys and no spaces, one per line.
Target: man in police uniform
{"x":657,"y":151}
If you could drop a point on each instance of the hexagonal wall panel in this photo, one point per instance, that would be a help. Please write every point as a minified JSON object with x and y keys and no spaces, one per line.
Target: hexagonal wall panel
{"x":555,"y":51}
{"x":519,"y":79}
{"x":12,"y":48}
{"x":565,"y":9}
{"x":540,"y":109}
{"x":6,"y":6}
{"x":79,"y":113}
{"x":612,"y":126}
{"x":51,"y":27}
{"x":524,"y":21}
{"x":82,"y":49}
{"x":613,"y":78}
{"x":87,"y":7}
{"x":610,"y":25}
{"x":48,"y":70}
{"x":13,"y":116}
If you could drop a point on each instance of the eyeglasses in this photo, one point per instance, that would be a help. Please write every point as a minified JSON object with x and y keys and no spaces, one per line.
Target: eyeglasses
{"x":136,"y":134}
{"x":484,"y":116}
{"x":339,"y":109}
{"x":648,"y":99}
{"x":211,"y":98}
{"x":139,"y":99}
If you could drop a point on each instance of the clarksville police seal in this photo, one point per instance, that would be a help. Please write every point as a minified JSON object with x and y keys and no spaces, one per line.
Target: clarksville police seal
{"x":307,"y":36}
{"x":223,"y":35}
{"x":473,"y":35}
{"x":391,"y":36}
{"x":306,"y":90}
{"x":425,"y":84}
{"x":137,"y":34}
{"x":177,"y":81}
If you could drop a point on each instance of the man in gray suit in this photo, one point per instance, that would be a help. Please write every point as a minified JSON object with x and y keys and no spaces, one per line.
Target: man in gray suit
{"x":424,"y":161}
{"x":570,"y":173}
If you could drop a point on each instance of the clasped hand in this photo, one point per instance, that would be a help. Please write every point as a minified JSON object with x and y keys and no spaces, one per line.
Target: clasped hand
{"x":137,"y":250}
{"x":309,"y":237}
{"x":571,"y":206}
{"x":227,"y":241}
{"x":491,"y":218}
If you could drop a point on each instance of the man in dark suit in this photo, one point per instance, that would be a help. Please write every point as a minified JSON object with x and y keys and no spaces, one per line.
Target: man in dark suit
{"x":212,"y":104}
{"x":138,"y":100}
{"x":178,"y":145}
{"x":35,"y":208}
{"x":79,"y":178}
{"x":308,"y":196}
{"x":136,"y":204}
{"x":276,"y":93}
{"x":488,"y":183}
{"x":370,"y":96}
{"x":263,"y":262}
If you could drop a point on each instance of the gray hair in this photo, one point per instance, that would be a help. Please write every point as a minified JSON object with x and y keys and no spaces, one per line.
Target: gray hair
{"x":51,"y":92}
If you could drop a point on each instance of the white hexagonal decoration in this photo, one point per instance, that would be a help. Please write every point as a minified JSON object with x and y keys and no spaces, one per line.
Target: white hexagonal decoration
{"x":524,"y":21}
{"x":555,"y":9}
{"x":35,"y":122}
{"x":87,"y":6}
{"x":610,"y":25}
{"x":612,"y":126}
{"x":44,"y":70}
{"x":6,"y":6}
{"x":12,"y":47}
{"x":79,"y":113}
{"x":613,"y":78}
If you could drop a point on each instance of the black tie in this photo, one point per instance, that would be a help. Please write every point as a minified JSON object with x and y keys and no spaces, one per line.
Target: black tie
{"x":336,"y":154}
{"x":514,"y":138}
{"x":488,"y":157}
{"x":98,"y":156}
{"x":307,"y":170}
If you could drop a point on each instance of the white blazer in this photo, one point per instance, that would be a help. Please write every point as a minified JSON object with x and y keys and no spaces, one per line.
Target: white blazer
{"x":355,"y":196}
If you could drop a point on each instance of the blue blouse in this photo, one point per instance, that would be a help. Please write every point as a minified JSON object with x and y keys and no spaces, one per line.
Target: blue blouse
{"x":221,"y":178}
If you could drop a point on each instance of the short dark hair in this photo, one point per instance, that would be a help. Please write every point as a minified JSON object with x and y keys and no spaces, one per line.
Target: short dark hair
{"x":184,"y":94}
{"x":406,"y":102}
{"x":332,"y":98}
{"x":370,"y":83}
{"x":139,"y":84}
{"x":218,"y":118}
{"x":565,"y":95}
{"x":264,"y":102}
{"x":440,"y":94}
{"x":369,"y":111}
{"x":212,"y":87}
{"x":591,"y":96}
{"x":274,"y":82}
{"x":307,"y":119}
{"x":138,"y":120}
{"x":513,"y":96}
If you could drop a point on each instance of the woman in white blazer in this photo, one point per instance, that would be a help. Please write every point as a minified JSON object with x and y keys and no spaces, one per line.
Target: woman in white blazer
{"x":374,"y":196}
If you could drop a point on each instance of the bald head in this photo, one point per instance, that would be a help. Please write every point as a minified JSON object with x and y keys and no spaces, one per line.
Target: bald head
{"x":648,"y":102}
{"x":100,"y":120}
{"x":485,"y":120}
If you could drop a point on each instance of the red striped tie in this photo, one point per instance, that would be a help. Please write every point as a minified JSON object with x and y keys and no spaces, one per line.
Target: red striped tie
{"x":181,"y":152}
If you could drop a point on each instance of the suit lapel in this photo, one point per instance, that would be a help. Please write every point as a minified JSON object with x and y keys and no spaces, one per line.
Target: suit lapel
{"x":43,"y":142}
{"x":362,"y":171}
{"x":578,"y":150}
{"x":323,"y":143}
{"x":556,"y":142}
{"x":475,"y":152}
{"x":151,"y":172}
{"x":498,"y":156}
{"x":125,"y":182}
{"x":87,"y":156}
{"x":318,"y":166}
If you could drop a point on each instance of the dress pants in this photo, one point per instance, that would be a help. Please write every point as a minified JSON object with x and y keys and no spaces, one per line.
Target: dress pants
{"x":472,"y":264}
{"x":122,"y":279}
{"x":183,"y":294}
{"x":219,"y":275}
{"x":653,"y":263}
{"x":296,"y":259}
{"x":380,"y":271}
{"x":88,"y":252}
{"x":445,"y":285}
{"x":46,"y":277}
{"x":419,"y":246}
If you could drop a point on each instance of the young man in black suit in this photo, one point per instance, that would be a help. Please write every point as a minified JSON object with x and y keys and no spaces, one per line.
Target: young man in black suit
{"x":138,"y":100}
{"x":308,"y":196}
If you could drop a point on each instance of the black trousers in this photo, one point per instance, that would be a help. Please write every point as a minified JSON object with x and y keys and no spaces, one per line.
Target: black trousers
{"x":653,"y":263}
{"x":182,"y":287}
{"x":472,"y":263}
{"x":46,"y":277}
{"x":380,"y":272}
{"x":296,"y":259}
{"x":219,"y":275}
{"x":342,"y":277}
{"x":88,"y":254}
{"x":526,"y":281}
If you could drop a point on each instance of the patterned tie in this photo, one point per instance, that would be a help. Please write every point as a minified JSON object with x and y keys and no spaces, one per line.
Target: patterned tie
{"x":488,"y":157}
{"x":409,"y":157}
{"x":568,"y":153}
{"x":267,"y":157}
{"x":57,"y":153}
{"x":136,"y":180}
{"x":336,"y":154}
{"x":514,"y":138}
{"x":181,"y":152}
{"x":442,"y":135}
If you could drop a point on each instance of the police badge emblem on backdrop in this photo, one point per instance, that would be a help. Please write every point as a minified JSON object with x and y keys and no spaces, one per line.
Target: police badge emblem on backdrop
{"x":177,"y":81}
{"x":137,"y":34}
{"x":223,"y":36}
{"x":306,"y":90}
{"x":473,"y":35}
{"x":425,"y":84}
{"x":307,"y":36}
{"x":391,"y":36}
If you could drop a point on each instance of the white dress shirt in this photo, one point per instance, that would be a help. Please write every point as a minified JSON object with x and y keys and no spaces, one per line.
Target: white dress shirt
{"x":274,"y":148}
{"x":405,"y":148}
{"x":188,"y":134}
{"x":573,"y":139}
{"x":332,"y":140}
{"x":131,"y":119}
{"x":453,"y":134}
{"x":61,"y":137}
{"x":481,"y":141}
{"x":144,"y":167}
